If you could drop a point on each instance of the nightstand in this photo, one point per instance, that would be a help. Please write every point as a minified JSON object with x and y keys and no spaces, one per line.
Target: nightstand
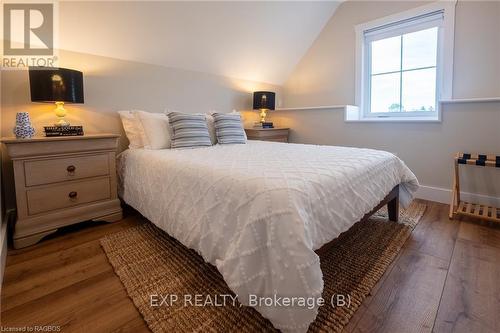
{"x":278,"y":134}
{"x":61,"y":181}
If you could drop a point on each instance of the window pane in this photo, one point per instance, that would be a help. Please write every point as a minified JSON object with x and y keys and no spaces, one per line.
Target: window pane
{"x":386,"y":55}
{"x":385,"y":93}
{"x":419,"y":90}
{"x":420,"y":49}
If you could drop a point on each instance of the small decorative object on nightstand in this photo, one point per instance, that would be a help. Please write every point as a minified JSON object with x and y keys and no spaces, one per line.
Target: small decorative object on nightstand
{"x":61,"y":181}
{"x":278,"y":134}
{"x":23,"y":128}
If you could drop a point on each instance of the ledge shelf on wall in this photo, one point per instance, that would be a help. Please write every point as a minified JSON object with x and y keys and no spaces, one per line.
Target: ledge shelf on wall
{"x":443,"y":101}
{"x":470,"y":100}
{"x":324,"y":107}
{"x":351,"y":112}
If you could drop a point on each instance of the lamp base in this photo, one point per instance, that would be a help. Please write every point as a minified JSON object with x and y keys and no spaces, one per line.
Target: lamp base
{"x":61,"y":123}
{"x":60,"y":113}
{"x":263,"y":115}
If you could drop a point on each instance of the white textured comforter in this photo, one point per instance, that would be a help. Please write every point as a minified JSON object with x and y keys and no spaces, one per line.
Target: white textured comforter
{"x":258,"y":211}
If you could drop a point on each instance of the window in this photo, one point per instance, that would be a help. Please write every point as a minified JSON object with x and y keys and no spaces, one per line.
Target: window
{"x":401,"y":72}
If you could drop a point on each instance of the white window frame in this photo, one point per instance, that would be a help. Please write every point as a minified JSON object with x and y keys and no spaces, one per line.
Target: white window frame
{"x":444,"y":65}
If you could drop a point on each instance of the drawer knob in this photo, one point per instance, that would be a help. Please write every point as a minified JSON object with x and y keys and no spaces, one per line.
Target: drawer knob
{"x":71,"y":168}
{"x":72,"y":194}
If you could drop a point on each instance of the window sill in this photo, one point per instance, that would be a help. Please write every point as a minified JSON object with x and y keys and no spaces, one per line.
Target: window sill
{"x":395,"y":120}
{"x":353,"y":115}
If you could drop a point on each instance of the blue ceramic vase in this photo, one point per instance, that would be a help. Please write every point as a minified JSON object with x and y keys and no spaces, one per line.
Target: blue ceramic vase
{"x":23,"y":129}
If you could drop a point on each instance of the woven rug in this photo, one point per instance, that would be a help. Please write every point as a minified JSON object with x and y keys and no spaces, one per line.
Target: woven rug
{"x":149,"y":262}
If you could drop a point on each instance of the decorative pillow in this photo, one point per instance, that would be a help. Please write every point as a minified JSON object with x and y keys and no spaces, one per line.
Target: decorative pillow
{"x":211,"y":128}
{"x":133,"y":129}
{"x":239,"y":113}
{"x":156,"y":132}
{"x":210,"y":124}
{"x":228,"y":128}
{"x":189,"y":130}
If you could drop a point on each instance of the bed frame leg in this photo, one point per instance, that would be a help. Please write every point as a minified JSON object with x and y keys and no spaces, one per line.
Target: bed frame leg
{"x":393,"y":208}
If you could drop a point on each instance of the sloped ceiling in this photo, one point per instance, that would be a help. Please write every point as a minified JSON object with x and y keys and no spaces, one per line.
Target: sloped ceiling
{"x":258,"y":41}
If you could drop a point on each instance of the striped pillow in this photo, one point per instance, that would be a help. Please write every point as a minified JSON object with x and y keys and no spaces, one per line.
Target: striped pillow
{"x":228,"y":128}
{"x":189,"y":130}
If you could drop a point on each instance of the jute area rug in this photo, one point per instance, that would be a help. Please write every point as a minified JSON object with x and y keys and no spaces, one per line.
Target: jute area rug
{"x":149,"y":262}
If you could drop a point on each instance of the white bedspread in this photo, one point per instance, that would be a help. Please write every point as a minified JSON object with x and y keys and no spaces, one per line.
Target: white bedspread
{"x":258,"y":211}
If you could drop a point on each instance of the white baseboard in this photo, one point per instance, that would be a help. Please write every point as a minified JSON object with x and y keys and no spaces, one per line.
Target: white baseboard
{"x":443,"y":195}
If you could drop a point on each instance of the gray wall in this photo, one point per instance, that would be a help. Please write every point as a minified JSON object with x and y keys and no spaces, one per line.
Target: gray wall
{"x":111,"y":85}
{"x":427,"y":148}
{"x":326,"y":75}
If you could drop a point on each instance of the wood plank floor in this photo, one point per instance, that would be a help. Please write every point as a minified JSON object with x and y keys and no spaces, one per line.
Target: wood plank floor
{"x":445,"y":279}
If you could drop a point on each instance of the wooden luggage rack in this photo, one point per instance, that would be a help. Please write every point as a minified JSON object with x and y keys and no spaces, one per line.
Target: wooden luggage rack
{"x":459,"y":207}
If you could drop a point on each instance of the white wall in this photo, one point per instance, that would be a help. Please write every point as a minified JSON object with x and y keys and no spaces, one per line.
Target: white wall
{"x":325,"y":76}
{"x":253,"y":40}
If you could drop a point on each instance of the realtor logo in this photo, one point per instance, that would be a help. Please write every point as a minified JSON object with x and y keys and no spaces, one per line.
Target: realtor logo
{"x":28,"y":29}
{"x":29,"y":32}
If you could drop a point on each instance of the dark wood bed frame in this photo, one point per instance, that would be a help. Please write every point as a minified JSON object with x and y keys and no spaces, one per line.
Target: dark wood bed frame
{"x":392,"y":202}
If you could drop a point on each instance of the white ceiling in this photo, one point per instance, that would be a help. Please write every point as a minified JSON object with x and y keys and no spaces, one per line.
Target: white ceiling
{"x":258,"y":41}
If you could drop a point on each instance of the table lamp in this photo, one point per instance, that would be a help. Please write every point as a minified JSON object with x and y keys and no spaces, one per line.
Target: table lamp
{"x":263,"y":101}
{"x":56,"y":85}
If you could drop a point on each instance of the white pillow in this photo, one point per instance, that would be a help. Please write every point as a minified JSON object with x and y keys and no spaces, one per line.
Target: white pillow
{"x":156,"y":130}
{"x":133,"y":129}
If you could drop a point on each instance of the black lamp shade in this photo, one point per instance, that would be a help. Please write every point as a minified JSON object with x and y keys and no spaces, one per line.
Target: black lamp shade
{"x":263,"y":100}
{"x":48,"y":84}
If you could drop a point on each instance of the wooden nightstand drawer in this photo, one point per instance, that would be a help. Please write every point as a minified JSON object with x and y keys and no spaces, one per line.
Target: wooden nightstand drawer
{"x":55,"y":170}
{"x":281,"y":139}
{"x":48,"y":198}
{"x":267,"y":134}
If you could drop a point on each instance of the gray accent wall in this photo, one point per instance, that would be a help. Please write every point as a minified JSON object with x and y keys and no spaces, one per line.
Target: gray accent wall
{"x":326,"y":76}
{"x":111,"y":85}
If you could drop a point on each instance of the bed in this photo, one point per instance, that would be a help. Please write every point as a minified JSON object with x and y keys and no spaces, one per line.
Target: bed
{"x":259,"y":211}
